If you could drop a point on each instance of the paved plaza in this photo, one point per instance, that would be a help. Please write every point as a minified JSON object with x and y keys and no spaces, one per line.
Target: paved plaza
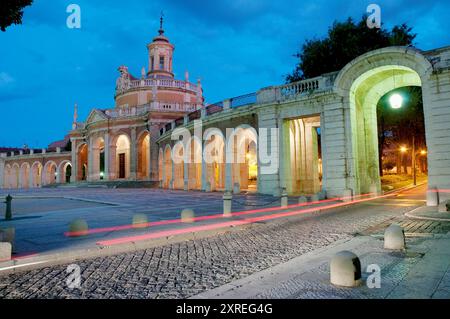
{"x":192,"y":267}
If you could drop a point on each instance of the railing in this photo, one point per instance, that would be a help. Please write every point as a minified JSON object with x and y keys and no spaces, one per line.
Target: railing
{"x":167,"y":83}
{"x":154,"y":106}
{"x":267,"y":95}
{"x":243,"y":100}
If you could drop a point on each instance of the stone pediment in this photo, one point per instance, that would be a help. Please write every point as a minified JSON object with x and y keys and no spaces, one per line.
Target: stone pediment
{"x":96,"y":116}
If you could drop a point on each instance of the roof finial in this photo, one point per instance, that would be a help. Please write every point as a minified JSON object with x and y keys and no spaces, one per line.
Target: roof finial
{"x":161,"y":20}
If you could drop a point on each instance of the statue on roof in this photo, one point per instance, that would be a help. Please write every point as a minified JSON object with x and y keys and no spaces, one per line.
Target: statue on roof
{"x":123,"y":82}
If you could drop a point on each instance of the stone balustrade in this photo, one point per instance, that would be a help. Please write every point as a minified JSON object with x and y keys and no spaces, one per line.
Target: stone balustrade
{"x":162,"y":83}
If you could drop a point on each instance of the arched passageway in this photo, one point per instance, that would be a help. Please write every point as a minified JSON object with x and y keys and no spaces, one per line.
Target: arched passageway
{"x":36,"y":174}
{"x":143,"y":149}
{"x":98,"y":159}
{"x":64,"y":172}
{"x":194,"y":159}
{"x":303,"y":165}
{"x":178,"y":163}
{"x":25,"y":175}
{"x":214,"y":161}
{"x":167,"y":174}
{"x":82,"y":156}
{"x":120,"y":157}
{"x":242,"y":146}
{"x":50,"y":173}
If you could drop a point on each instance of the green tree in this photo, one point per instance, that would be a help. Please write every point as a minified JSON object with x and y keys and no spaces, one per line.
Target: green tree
{"x":11,"y":12}
{"x":345,"y":41}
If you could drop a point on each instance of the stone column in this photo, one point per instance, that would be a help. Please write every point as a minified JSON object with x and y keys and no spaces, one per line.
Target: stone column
{"x":74,"y":160}
{"x":204,"y":173}
{"x":186,"y":175}
{"x":30,"y":177}
{"x":228,"y":177}
{"x":90,"y":176}
{"x":107,"y":172}
{"x":133,"y":155}
{"x":154,"y":153}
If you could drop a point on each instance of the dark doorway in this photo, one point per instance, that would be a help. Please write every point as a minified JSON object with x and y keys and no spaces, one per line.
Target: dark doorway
{"x":122,"y":165}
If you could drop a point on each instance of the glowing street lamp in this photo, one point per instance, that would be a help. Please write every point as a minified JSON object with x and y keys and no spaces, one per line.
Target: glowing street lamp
{"x":423,"y":152}
{"x":396,"y":101}
{"x":403,"y":149}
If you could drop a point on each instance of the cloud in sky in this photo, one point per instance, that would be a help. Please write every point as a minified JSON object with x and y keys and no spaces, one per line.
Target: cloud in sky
{"x":235,"y":47}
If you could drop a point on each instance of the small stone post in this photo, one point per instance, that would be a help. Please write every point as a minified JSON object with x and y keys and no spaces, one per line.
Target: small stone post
{"x":284,"y":198}
{"x":227,"y":197}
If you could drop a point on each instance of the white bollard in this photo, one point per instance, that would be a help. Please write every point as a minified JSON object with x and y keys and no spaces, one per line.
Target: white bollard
{"x":374,"y":190}
{"x":432,"y":197}
{"x":187,"y":215}
{"x":236,"y":188}
{"x":394,"y":238}
{"x":227,"y":197}
{"x":139,"y":221}
{"x":347,"y":195}
{"x":5,"y":251}
{"x":345,"y":269}
{"x":8,"y":235}
{"x":284,"y":198}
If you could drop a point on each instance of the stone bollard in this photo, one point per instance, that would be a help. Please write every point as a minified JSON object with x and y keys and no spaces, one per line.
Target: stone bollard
{"x":345,"y":269}
{"x":8,"y":211}
{"x":227,"y":197}
{"x":313,"y":198}
{"x":139,"y":221}
{"x":5,"y":251}
{"x":284,"y":198}
{"x":78,"y":227}
{"x":302,"y":200}
{"x":432,"y":197}
{"x":347,"y":195}
{"x":8,"y":235}
{"x":373,"y":190}
{"x":236,"y":188}
{"x":187,"y":215}
{"x":394,"y":238}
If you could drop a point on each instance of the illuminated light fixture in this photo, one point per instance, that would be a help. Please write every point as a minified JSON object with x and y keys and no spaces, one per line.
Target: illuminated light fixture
{"x":403,"y":149}
{"x":396,"y":101}
{"x":102,"y":174}
{"x":423,"y":152}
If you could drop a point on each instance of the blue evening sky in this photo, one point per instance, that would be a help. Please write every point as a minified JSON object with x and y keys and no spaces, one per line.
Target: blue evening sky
{"x":234,"y":46}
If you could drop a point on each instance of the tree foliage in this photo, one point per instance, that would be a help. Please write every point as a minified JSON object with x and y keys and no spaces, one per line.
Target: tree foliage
{"x":11,"y":12}
{"x":345,"y":41}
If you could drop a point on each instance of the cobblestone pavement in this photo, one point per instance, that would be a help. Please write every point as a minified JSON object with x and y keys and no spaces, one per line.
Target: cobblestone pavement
{"x":188,"y":268}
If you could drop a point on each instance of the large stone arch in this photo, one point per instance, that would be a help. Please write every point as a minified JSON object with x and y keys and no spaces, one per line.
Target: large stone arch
{"x":8,"y":176}
{"x":50,"y":173}
{"x":242,"y":155}
{"x":168,"y":173}
{"x":143,"y":155}
{"x":36,"y":174}
{"x":178,"y":160}
{"x":120,"y":156}
{"x":193,"y":157}
{"x":361,"y":84}
{"x":64,"y":168}
{"x":214,"y":159}
{"x":15,"y":177}
{"x":25,"y":175}
{"x":82,"y":161}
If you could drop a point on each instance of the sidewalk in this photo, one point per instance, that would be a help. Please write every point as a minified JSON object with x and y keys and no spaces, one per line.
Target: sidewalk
{"x":423,"y":271}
